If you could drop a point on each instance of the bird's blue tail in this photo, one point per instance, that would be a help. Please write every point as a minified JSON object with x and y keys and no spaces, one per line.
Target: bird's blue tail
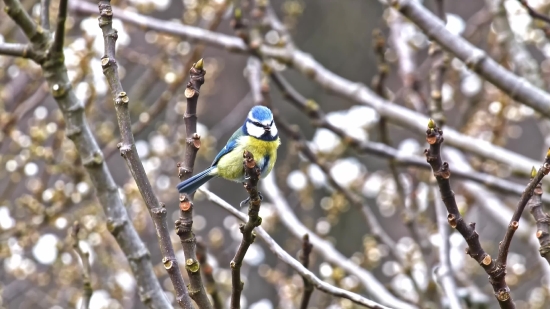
{"x":192,"y":184}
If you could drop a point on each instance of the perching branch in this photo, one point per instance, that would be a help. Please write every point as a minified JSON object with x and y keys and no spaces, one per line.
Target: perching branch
{"x":184,"y":225}
{"x":86,"y":272}
{"x":543,"y":222}
{"x":208,"y":273}
{"x":77,"y":130}
{"x":252,"y":175}
{"x":304,"y":259}
{"x":326,"y":250}
{"x":297,"y":266}
{"x":128,"y":151}
{"x":59,"y":36}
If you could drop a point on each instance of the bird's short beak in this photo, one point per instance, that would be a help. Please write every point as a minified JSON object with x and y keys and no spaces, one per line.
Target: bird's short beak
{"x":267,"y":129}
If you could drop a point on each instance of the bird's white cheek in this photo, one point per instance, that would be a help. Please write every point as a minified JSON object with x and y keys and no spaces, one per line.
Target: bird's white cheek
{"x":274,"y":130}
{"x":254,"y":130}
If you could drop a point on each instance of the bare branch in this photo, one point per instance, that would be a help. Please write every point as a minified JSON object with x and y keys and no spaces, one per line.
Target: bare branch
{"x":77,"y":130}
{"x":86,"y":272}
{"x":476,"y":59}
{"x":252,"y":174}
{"x":184,"y":225}
{"x":326,"y":249}
{"x":543,"y":222}
{"x":534,"y":14}
{"x":128,"y":151}
{"x":208,"y":273}
{"x":297,"y":266}
{"x":45,"y":14}
{"x":304,"y":259}
{"x":17,"y":50}
{"x":59,"y":36}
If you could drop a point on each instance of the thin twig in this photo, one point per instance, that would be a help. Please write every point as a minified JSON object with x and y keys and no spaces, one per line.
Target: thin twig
{"x":86,"y":272}
{"x":296,"y":265}
{"x":59,"y":37}
{"x":496,"y":269}
{"x":184,"y":225}
{"x":208,"y":273}
{"x":543,"y":222}
{"x":128,"y":151}
{"x":45,"y":14}
{"x":536,"y":177}
{"x":304,"y":259}
{"x":17,"y":50}
{"x":326,"y":249}
{"x":534,"y":14}
{"x":77,"y":130}
{"x":252,"y":174}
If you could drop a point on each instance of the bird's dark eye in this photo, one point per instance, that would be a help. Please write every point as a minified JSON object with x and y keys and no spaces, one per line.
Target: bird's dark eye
{"x":257,"y":124}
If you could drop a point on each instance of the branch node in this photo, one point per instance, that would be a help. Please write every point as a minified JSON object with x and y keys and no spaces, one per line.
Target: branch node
{"x":503,"y":294}
{"x":452,"y":220}
{"x":95,"y":159}
{"x":486,"y":260}
{"x":185,"y":203}
{"x":192,"y":265}
{"x":167,"y":262}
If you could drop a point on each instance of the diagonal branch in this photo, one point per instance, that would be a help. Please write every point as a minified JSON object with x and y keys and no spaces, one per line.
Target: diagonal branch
{"x":59,"y":36}
{"x":129,"y":153}
{"x":77,"y":130}
{"x":326,"y":249}
{"x":17,"y":50}
{"x":297,"y":266}
{"x":476,"y":59}
{"x":534,"y":14}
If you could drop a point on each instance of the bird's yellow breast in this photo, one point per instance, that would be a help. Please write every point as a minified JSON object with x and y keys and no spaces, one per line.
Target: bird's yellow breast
{"x":230,"y":166}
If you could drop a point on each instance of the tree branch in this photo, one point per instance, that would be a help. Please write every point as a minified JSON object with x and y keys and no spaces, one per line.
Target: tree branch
{"x":45,"y":14}
{"x":59,"y":36}
{"x":77,"y":130}
{"x":297,"y":266}
{"x":86,"y":272}
{"x":208,"y":273}
{"x":534,"y":14}
{"x":17,"y":50}
{"x":326,"y":249}
{"x":304,"y":259}
{"x":252,"y":174}
{"x":184,"y":225}
{"x":477,"y":60}
{"x":128,"y":151}
{"x":543,"y":222}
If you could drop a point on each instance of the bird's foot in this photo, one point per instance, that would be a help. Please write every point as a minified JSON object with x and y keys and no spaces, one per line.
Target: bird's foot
{"x":243,"y":203}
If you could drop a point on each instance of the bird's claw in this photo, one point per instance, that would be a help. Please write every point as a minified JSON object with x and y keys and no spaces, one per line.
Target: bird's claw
{"x":243,"y":203}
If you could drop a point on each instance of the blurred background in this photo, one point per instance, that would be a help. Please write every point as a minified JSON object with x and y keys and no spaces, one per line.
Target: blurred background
{"x":44,"y":188}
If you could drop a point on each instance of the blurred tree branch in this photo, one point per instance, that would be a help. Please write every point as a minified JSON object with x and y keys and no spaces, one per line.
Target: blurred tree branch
{"x":86,"y":272}
{"x":79,"y":132}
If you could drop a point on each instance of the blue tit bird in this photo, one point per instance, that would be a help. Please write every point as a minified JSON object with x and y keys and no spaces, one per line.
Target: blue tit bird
{"x":258,"y":134}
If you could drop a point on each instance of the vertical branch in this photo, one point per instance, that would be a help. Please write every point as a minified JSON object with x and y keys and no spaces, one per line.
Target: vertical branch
{"x":304,"y":259}
{"x":252,"y":174}
{"x":184,"y":225}
{"x":208,"y":273}
{"x":45,"y":14}
{"x":128,"y":151}
{"x":85,"y":258}
{"x":543,"y":222}
{"x":437,"y":72}
{"x":79,"y":132}
{"x":59,"y":37}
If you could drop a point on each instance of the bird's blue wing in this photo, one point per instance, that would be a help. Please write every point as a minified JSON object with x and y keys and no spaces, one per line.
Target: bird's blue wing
{"x":231,"y":144}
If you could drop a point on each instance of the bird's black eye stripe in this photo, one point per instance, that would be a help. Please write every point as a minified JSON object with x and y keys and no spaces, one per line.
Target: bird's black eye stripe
{"x":257,"y":124}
